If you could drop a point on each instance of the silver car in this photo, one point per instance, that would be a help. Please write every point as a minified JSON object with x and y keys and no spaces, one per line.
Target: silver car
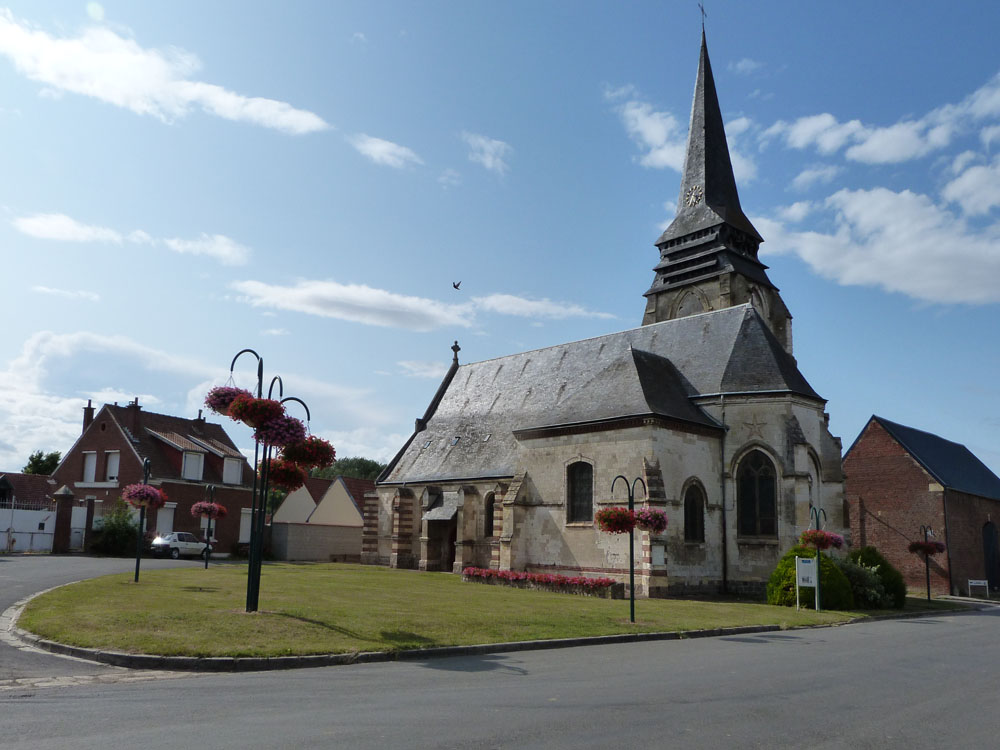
{"x":178,"y":544}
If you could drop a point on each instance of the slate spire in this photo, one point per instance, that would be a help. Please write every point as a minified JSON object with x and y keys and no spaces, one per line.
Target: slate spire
{"x":708,"y":195}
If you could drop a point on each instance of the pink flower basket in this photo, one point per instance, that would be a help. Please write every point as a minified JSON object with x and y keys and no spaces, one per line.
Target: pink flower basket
{"x":144,"y":496}
{"x":926,"y":548}
{"x":280,"y":431}
{"x":220,"y":399}
{"x":821,"y":539}
{"x":205,"y":509}
{"x":255,"y":411}
{"x":652,"y":520}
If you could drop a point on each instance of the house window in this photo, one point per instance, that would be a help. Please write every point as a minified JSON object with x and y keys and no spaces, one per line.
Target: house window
{"x":694,"y":514}
{"x":192,"y":466}
{"x":232,"y":471}
{"x":111,"y":459}
{"x":90,"y":466}
{"x":756,"y":496}
{"x":488,"y":515}
{"x":580,"y":486}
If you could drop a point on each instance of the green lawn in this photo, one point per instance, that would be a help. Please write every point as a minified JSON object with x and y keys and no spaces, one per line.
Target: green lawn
{"x":334,"y":608}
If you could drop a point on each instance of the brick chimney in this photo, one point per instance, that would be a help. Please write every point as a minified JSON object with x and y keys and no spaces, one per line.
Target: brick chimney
{"x":88,"y":415}
{"x":133,"y":410}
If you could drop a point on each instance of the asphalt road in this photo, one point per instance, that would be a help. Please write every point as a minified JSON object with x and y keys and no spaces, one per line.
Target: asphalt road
{"x":917,"y":683}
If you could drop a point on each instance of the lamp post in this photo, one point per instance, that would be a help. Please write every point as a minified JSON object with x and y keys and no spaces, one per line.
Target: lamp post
{"x":262,"y":467}
{"x":631,"y":539}
{"x":210,"y":497}
{"x":927,"y":531}
{"x":814,"y":514}
{"x":142,"y":520}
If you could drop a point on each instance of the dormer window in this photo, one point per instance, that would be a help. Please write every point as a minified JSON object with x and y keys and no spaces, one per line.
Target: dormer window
{"x":232,"y":471}
{"x":193,"y":466}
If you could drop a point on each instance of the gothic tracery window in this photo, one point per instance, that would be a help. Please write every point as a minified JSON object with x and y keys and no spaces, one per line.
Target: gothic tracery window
{"x":756,"y":496}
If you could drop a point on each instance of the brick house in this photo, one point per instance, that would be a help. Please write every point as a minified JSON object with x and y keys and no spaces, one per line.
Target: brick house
{"x":899,"y":478}
{"x":186,"y":456}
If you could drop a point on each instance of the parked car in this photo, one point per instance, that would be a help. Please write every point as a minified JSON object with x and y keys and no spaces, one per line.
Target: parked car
{"x":178,"y":544}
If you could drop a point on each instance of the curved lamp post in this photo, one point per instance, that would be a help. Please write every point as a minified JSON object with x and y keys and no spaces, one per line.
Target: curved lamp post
{"x":814,"y":514}
{"x":927,"y":531}
{"x":210,"y":497}
{"x":146,"y":463}
{"x":262,"y":467}
{"x":631,"y":538}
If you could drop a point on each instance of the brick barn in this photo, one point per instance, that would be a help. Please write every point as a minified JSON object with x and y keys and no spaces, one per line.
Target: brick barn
{"x":186,"y":456}
{"x":900,"y":478}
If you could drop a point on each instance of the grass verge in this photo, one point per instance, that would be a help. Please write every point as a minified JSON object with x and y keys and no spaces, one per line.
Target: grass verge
{"x":318,"y":609}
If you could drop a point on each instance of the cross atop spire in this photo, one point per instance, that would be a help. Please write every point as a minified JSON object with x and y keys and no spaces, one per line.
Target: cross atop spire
{"x":708,"y":194}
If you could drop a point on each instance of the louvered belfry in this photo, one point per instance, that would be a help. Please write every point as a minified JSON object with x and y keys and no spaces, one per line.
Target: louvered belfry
{"x":708,"y":254}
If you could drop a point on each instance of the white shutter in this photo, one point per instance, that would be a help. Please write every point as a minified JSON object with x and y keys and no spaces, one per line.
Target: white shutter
{"x":245,"y":515}
{"x":232,"y":471}
{"x":192,"y":466}
{"x":89,"y":467}
{"x":165,"y":519}
{"x":113,"y":458}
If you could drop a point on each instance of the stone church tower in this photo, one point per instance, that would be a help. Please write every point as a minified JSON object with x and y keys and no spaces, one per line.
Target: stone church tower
{"x":708,"y":254}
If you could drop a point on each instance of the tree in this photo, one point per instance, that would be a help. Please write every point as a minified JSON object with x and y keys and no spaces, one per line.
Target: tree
{"x":357,"y":467}
{"x":42,"y":463}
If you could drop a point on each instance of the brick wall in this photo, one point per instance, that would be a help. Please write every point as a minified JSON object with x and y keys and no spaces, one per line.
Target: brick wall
{"x":967,"y":514}
{"x":889,"y":496}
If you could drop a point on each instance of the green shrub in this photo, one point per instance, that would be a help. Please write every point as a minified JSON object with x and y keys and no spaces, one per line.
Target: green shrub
{"x":892,"y":579}
{"x":116,"y":537}
{"x":866,"y":586}
{"x":835,"y":590}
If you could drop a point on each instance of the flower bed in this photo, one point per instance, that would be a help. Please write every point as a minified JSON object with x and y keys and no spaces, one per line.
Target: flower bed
{"x":144,"y":496}
{"x":607,"y":588}
{"x":821,"y":539}
{"x":926,"y":548}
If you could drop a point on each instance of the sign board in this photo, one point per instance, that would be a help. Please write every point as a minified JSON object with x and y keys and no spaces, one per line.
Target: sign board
{"x":805,"y":571}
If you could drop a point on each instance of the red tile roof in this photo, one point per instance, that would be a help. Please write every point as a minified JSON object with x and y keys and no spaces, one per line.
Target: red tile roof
{"x":28,"y":490}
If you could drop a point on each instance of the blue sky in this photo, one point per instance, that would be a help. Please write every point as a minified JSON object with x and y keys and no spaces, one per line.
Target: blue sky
{"x":181,"y":180}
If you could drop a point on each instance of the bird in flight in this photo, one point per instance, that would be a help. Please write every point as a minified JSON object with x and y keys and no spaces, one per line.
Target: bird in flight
{"x":456,"y":284}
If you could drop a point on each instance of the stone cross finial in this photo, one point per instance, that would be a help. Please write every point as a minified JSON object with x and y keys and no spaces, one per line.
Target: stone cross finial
{"x":456,"y":348}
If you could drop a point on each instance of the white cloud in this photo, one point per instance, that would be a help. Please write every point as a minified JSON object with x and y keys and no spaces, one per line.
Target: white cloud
{"x":796,"y":212}
{"x":384,"y":152}
{"x":659,"y":134}
{"x":989,"y":134}
{"x":359,"y":37}
{"x":746,"y":66}
{"x":821,"y":175}
{"x":68,"y":294}
{"x":216,"y":246}
{"x":450,"y":178}
{"x":95,"y":11}
{"x":976,"y":190}
{"x":902,"y":242}
{"x":101,"y":64}
{"x":507,"y":304}
{"x":487,"y":151}
{"x":274,"y":332}
{"x":64,"y":229}
{"x":356,"y":303}
{"x":434,"y":370}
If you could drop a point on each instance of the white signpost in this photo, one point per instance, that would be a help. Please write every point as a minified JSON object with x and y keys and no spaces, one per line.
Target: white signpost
{"x":805,"y":575}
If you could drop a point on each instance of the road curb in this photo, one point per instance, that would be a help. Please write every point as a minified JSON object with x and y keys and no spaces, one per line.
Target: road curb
{"x":8,"y":627}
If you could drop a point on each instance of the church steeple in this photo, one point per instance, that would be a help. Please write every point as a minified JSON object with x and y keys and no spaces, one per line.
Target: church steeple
{"x":708,"y":254}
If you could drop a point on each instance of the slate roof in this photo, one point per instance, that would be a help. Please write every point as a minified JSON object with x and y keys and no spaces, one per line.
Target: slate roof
{"x":30,"y":490}
{"x":652,"y":370}
{"x":158,"y":434}
{"x":952,"y":464}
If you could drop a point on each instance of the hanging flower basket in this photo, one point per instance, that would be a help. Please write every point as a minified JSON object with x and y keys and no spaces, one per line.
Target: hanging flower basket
{"x":285,"y":475}
{"x":652,"y":520}
{"x":615,"y":520}
{"x":220,"y":399}
{"x":927,"y":548}
{"x":280,"y":431}
{"x":310,"y":452}
{"x":205,"y":509}
{"x":144,"y":496}
{"x":821,"y":539}
{"x":255,"y":411}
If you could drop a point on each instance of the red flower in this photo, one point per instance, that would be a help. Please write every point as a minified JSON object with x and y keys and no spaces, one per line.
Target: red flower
{"x":285,"y":475}
{"x":652,"y":520}
{"x":821,"y":539}
{"x":205,"y":509}
{"x":927,"y":548}
{"x":255,"y":411}
{"x":615,"y":520}
{"x":144,"y":496}
{"x":220,"y":399}
{"x":309,"y":452}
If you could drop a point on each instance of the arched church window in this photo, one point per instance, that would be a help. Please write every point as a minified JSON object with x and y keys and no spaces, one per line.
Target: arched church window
{"x":694,"y":514}
{"x":756,"y":496}
{"x":580,"y":491}
{"x":488,"y":515}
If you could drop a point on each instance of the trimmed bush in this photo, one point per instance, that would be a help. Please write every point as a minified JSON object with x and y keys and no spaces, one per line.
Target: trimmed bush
{"x":892,"y":579}
{"x":869,"y":593}
{"x":116,"y":537}
{"x":835,"y":590}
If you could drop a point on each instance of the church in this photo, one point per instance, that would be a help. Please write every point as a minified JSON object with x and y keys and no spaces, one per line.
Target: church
{"x":704,"y":402}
